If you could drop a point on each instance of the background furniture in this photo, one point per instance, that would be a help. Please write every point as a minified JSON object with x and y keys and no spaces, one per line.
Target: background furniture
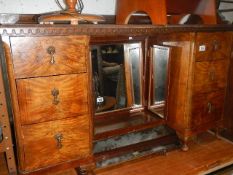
{"x":126,"y":8}
{"x":206,"y":9}
{"x":6,"y":143}
{"x":70,"y":15}
{"x":167,"y":11}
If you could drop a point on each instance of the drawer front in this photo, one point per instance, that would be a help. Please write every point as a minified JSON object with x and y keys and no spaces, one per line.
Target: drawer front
{"x":51,"y":143}
{"x":212,"y":46}
{"x":49,"y":98}
{"x":44,"y":56}
{"x":210,"y":76}
{"x":207,"y":108}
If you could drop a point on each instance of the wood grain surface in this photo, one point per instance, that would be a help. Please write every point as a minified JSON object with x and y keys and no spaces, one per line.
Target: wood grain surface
{"x":207,"y":108}
{"x":179,"y":82}
{"x":40,"y":145}
{"x":206,"y":154}
{"x":31,"y":57}
{"x":216,"y":46}
{"x":3,"y":165}
{"x":197,"y":82}
{"x":36,"y":99}
{"x":210,"y":76}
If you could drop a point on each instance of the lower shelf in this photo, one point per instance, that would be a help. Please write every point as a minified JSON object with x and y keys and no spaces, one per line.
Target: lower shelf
{"x":114,"y":125}
{"x":133,"y":145}
{"x":135,"y":151}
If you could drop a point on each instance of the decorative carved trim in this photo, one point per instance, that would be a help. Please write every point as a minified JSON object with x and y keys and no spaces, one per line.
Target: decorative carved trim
{"x":105,"y":30}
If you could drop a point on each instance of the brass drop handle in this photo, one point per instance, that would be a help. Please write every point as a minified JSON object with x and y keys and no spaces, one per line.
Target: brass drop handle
{"x":51,"y":51}
{"x":210,"y":107}
{"x":58,"y":137}
{"x":55,"y":93}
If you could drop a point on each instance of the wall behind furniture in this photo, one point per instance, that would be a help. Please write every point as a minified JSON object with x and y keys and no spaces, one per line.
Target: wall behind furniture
{"x":42,"y":6}
{"x":91,"y":6}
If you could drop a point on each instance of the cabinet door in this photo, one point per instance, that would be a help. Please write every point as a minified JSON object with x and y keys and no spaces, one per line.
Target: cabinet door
{"x":159,"y":69}
{"x":50,"y":143}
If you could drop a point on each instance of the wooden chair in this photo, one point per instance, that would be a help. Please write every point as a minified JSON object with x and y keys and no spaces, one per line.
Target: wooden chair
{"x":206,"y":9}
{"x":156,"y":9}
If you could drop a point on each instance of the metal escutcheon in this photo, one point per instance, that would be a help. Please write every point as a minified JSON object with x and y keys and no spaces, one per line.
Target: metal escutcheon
{"x":55,"y":93}
{"x":58,"y":137}
{"x":51,"y":51}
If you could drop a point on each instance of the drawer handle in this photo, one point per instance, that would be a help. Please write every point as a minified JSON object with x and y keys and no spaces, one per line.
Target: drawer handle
{"x":55,"y":93}
{"x":212,"y":75}
{"x":58,"y":137}
{"x":210,"y":108}
{"x":51,"y":51}
{"x":216,"y":46}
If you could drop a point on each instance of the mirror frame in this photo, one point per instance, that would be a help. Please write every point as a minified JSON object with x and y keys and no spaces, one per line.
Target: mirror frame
{"x":159,"y":107}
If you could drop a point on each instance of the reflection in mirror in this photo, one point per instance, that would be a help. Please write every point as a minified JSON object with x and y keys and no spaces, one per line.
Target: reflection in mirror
{"x":116,"y":76}
{"x":158,"y":81}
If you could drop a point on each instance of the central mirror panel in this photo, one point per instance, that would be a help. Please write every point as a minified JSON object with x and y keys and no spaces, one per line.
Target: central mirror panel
{"x":116,"y":72}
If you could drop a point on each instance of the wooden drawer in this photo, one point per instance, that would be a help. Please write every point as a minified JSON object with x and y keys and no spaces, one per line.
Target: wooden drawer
{"x":210,"y":76}
{"x":207,"y":108}
{"x":54,"y":142}
{"x":212,"y":46}
{"x":49,"y":98}
{"x":54,"y":55}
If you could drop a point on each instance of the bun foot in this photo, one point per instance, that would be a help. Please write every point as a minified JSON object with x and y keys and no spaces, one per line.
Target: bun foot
{"x":184,"y":147}
{"x":82,"y":171}
{"x":85,"y":170}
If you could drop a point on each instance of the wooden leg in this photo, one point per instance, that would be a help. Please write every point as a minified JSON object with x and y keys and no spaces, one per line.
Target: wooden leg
{"x":185,"y":147}
{"x":85,"y":170}
{"x":184,"y":141}
{"x":81,"y":171}
{"x":217,"y":133}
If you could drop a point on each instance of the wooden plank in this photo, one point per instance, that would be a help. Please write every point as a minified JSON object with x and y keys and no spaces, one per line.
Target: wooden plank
{"x":3,"y":165}
{"x":165,"y":140}
{"x":207,"y":153}
{"x":4,"y":113}
{"x":124,"y":124}
{"x":1,"y":147}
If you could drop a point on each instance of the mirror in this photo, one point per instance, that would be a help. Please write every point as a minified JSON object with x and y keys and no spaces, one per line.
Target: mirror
{"x":158,"y":78}
{"x":133,"y":69}
{"x":116,"y":72}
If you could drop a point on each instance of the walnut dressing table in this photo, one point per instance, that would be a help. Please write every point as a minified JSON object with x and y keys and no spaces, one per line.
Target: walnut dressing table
{"x":50,"y":75}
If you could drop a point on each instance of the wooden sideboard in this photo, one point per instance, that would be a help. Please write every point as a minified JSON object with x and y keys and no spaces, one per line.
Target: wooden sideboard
{"x":50,"y":74}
